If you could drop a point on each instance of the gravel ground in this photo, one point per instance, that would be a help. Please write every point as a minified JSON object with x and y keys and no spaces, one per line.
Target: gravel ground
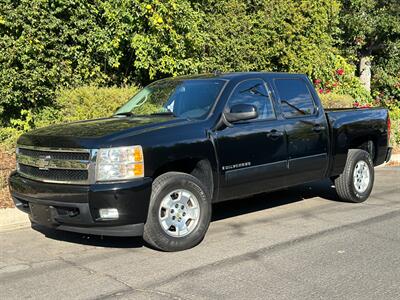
{"x":7,"y":164}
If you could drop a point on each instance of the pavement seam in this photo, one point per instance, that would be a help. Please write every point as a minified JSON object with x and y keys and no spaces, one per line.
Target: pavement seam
{"x":125,"y":292}
{"x":121,"y":292}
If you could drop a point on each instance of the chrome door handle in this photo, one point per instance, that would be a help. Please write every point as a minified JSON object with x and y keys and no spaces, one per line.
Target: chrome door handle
{"x":318,"y":128}
{"x":274,"y":133}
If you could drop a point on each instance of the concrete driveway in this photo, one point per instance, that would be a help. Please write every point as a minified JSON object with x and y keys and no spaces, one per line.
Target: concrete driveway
{"x":299,"y":243}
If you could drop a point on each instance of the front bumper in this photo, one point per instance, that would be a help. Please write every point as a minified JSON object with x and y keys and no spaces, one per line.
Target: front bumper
{"x":76,"y":207}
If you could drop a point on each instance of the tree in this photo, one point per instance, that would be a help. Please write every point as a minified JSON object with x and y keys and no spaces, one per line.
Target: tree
{"x":370,"y":33}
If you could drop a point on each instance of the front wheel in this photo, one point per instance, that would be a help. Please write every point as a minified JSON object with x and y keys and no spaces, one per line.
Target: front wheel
{"x":179,"y":212}
{"x":356,"y":182}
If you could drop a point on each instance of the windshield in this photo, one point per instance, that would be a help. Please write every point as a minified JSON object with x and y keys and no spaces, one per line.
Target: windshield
{"x":192,"y":98}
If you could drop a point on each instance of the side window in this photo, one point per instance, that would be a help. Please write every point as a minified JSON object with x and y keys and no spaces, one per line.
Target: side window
{"x":253,"y":92}
{"x":296,"y":99}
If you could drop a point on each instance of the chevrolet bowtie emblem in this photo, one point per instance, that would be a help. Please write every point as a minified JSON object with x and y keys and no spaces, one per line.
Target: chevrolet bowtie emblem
{"x":44,"y":162}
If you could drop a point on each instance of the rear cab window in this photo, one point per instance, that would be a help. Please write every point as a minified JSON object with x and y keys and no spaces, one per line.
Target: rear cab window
{"x":295,"y":97}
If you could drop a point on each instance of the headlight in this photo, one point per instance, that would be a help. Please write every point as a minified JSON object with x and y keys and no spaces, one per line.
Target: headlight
{"x":119,"y":163}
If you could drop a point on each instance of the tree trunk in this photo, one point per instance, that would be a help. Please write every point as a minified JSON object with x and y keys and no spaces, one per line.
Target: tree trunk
{"x":365,"y":72}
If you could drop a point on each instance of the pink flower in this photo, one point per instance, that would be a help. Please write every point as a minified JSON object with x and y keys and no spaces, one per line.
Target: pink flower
{"x":335,"y":84}
{"x":321,"y":91}
{"x":356,"y":104}
{"x":327,"y":91}
{"x":367,"y":105}
{"x":317,"y":81}
{"x":340,"y":72}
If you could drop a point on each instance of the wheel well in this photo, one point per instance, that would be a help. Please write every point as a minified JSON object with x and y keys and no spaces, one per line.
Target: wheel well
{"x":368,"y":145}
{"x":199,"y":168}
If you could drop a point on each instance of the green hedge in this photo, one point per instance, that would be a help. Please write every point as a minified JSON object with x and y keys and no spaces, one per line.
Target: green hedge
{"x":51,"y":45}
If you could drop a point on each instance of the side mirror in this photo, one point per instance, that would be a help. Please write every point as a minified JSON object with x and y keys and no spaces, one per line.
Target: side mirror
{"x":241,"y":112}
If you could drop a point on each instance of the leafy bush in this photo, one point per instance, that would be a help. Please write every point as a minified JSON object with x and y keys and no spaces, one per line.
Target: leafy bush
{"x":332,"y":100}
{"x":84,"y":103}
{"x":70,"y":105}
{"x":395,"y":121}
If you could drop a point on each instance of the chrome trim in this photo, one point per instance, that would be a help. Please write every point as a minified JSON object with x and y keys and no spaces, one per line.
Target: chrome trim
{"x":92,"y":166}
{"x":54,"y":149}
{"x":46,"y":163}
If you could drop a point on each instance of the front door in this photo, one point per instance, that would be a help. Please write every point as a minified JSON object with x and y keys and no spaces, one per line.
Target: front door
{"x":252,"y":154}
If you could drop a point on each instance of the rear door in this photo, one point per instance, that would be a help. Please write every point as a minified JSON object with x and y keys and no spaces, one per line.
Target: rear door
{"x":306,"y":130}
{"x":252,"y":154}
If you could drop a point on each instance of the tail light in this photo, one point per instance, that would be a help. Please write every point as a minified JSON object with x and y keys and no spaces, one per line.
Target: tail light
{"x":389,"y":125}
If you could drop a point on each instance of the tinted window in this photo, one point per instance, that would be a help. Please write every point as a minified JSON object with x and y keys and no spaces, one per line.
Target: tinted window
{"x":253,"y":92}
{"x":296,"y":99}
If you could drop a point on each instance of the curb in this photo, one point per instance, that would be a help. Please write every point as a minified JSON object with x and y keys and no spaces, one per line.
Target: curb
{"x":13,"y":218}
{"x":394,"y":160}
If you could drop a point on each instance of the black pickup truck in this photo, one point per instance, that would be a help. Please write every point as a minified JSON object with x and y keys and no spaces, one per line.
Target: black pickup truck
{"x":155,"y":167}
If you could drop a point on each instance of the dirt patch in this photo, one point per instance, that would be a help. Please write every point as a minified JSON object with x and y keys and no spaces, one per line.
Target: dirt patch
{"x":7,"y":165}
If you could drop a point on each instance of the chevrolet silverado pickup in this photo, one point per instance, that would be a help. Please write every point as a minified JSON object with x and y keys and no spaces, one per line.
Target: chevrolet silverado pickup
{"x":155,"y":167}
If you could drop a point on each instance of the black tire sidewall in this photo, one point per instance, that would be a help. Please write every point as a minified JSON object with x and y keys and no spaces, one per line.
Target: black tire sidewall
{"x":159,"y":238}
{"x":361,"y":156}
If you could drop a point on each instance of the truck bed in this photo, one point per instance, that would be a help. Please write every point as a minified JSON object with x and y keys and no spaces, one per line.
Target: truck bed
{"x":349,"y":128}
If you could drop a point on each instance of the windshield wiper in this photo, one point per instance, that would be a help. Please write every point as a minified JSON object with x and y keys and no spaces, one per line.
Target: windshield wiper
{"x":253,"y":90}
{"x":163,"y":113}
{"x":127,"y":113}
{"x":294,"y":107}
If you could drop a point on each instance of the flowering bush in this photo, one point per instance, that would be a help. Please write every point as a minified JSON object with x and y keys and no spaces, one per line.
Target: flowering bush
{"x":340,"y":72}
{"x":357,"y":104}
{"x":340,"y":79}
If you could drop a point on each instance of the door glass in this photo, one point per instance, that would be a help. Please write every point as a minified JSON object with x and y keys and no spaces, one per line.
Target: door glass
{"x":296,"y":99}
{"x":253,"y":92}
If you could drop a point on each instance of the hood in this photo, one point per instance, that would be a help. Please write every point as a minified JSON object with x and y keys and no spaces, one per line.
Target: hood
{"x":84,"y":133}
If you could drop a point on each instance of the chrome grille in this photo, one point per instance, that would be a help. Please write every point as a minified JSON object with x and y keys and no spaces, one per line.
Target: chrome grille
{"x":55,"y":154}
{"x":69,"y":166}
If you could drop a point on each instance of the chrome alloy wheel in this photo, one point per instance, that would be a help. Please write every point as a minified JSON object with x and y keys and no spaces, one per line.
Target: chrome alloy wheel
{"x":361,"y":176}
{"x":179,"y":213}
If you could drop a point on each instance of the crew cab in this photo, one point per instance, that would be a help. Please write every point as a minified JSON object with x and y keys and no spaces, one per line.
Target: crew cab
{"x":155,"y":167}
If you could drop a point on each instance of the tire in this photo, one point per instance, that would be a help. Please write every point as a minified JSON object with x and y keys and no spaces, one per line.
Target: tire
{"x":352,"y":185}
{"x":172,"y":227}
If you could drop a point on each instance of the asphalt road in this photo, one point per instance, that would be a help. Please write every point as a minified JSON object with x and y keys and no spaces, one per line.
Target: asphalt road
{"x":300,"y":243}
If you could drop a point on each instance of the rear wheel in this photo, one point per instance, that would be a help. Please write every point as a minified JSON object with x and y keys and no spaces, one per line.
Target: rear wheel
{"x":179,"y":212}
{"x":356,"y":182}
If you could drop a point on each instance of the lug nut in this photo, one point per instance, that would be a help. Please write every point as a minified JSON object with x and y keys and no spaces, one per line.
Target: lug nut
{"x":173,"y":217}
{"x":184,"y":214}
{"x":172,"y":211}
{"x":182,"y":207}
{"x":176,"y":205}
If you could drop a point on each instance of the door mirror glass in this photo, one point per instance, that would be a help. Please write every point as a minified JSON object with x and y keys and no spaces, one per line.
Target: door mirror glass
{"x":241,"y":112}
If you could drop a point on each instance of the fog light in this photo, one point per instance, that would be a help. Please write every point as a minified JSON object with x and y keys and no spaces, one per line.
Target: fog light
{"x":109,"y":213}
